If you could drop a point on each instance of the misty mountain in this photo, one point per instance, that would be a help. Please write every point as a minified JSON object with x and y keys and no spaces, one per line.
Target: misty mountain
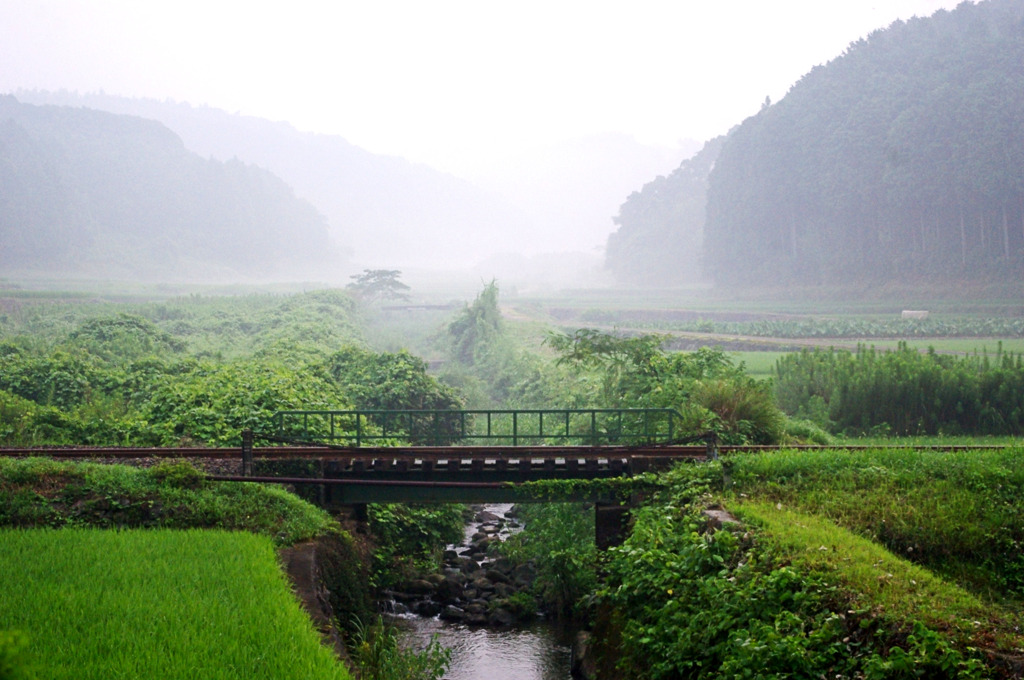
{"x":384,"y":210}
{"x":90,"y":193}
{"x":902,"y":159}
{"x":660,"y":232}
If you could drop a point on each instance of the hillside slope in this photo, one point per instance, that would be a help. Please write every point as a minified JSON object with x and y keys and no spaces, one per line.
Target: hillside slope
{"x":89,"y":193}
{"x":902,"y":159}
{"x":384,"y":210}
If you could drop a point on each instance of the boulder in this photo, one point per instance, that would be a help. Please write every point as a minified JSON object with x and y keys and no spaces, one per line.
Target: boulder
{"x":453,"y":613}
{"x":486,"y":516}
{"x":583,"y":664}
{"x":501,"y":617}
{"x":428,"y":608}
{"x":449,"y":590}
{"x":497,"y":576}
{"x":419,"y":587}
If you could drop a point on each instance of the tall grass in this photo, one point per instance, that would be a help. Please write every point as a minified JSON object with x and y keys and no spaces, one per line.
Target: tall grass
{"x":155,"y":604}
{"x":958,"y":513}
{"x":45,"y":492}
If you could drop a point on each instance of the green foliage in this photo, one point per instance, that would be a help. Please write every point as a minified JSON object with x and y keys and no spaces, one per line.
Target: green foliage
{"x":699,"y":602}
{"x":62,"y":379}
{"x":377,"y":285}
{"x":126,"y":336}
{"x":411,"y":538}
{"x":704,"y":386}
{"x":958,"y":513}
{"x":491,"y":366}
{"x":39,"y":492}
{"x":903,"y":392}
{"x":558,"y":538}
{"x":379,"y":655}
{"x":345,"y":575}
{"x":477,"y":327}
{"x":395,"y":381}
{"x":84,"y":375}
{"x":213,"y":403}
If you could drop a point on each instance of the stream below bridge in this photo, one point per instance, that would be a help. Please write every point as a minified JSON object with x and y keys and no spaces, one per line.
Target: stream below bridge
{"x":537,"y":651}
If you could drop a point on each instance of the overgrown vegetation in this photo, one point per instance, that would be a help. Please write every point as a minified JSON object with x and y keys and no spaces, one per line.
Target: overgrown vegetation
{"x":849,"y":564}
{"x":705,"y":387}
{"x":411,"y":538}
{"x":194,"y":371}
{"x":904,"y":392}
{"x":41,"y":492}
{"x":379,"y":655}
{"x":559,"y":541}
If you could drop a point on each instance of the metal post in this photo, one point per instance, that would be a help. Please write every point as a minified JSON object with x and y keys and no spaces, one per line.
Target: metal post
{"x":247,"y":439}
{"x":712,"y":446}
{"x":515,"y":428}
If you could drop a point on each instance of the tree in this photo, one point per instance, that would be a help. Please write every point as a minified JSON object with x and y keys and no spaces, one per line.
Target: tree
{"x":377,"y":285}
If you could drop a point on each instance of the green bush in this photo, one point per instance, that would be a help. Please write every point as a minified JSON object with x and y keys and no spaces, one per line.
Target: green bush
{"x":558,"y":539}
{"x":379,"y":656}
{"x":903,"y":392}
{"x":411,"y":538}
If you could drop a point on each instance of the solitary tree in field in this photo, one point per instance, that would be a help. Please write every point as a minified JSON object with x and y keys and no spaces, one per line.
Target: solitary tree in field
{"x":376,"y":285}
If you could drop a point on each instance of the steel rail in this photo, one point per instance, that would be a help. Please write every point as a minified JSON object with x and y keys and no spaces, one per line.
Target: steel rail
{"x":465,"y":452}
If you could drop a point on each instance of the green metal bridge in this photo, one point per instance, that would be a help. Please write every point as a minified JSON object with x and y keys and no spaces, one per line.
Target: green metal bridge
{"x":475,"y":455}
{"x":519,"y":427}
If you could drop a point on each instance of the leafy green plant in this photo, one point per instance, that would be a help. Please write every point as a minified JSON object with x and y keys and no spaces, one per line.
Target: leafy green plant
{"x":379,"y":655}
{"x":558,"y":539}
{"x":904,"y":392}
{"x":411,"y":538}
{"x":41,"y":492}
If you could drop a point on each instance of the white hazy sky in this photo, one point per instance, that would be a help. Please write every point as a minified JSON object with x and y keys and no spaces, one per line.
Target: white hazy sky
{"x":445,"y":82}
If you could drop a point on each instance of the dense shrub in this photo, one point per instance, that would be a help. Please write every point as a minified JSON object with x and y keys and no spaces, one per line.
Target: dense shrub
{"x":411,"y":538}
{"x":903,"y":392}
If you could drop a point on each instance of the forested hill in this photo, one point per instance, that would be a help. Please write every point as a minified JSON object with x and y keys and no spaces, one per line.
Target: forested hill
{"x":91,"y":193}
{"x":659,"y":237}
{"x":385,"y":209}
{"x":900,"y":160}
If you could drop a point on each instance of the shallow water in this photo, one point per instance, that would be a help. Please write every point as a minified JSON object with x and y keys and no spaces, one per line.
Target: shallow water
{"x":532,"y":653}
{"x":535,"y":652}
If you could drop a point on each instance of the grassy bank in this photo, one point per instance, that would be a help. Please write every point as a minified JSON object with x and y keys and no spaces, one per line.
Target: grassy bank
{"x":158,"y":604}
{"x":116,"y":571}
{"x":41,"y":492}
{"x":872,"y":564}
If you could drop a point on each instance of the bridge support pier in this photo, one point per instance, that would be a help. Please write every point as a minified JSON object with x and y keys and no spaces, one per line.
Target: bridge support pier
{"x":610,"y":524}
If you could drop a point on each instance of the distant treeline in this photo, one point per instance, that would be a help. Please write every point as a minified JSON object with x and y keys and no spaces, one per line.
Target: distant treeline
{"x":901,"y":159}
{"x":904,"y":392}
{"x":92,"y":193}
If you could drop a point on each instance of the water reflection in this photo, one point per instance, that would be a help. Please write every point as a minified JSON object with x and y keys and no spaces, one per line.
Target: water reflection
{"x":531,"y":653}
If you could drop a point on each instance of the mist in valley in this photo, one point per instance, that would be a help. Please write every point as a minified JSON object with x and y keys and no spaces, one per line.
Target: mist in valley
{"x":688,"y":183}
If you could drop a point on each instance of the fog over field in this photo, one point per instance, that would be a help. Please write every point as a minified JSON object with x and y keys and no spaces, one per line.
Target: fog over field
{"x":493,"y":140}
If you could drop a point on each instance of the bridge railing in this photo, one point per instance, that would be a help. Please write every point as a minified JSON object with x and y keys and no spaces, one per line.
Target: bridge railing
{"x":521,"y":427}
